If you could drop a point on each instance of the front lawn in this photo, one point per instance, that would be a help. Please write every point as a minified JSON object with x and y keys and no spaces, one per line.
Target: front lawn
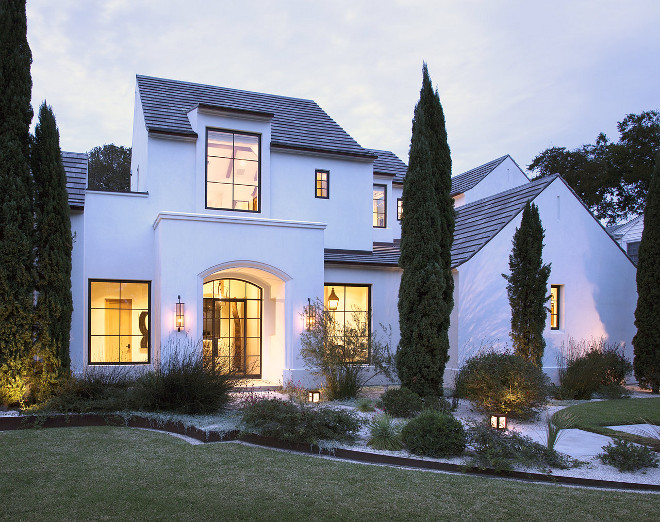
{"x":120,"y":473}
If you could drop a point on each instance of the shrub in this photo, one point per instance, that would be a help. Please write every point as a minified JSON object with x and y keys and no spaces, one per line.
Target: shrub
{"x":434,"y":434}
{"x":501,"y":450}
{"x":627,"y":456}
{"x":590,"y":367}
{"x":384,"y":434}
{"x":401,"y":402}
{"x":347,"y":355}
{"x":365,"y":405}
{"x":502,"y":383}
{"x":439,"y":404}
{"x":291,"y":422}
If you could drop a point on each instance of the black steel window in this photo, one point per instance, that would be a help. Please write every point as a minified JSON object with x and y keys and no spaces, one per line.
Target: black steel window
{"x":555,"y":300}
{"x":322,"y":184}
{"x":380,"y":206}
{"x":353,"y":312}
{"x":232,"y":170}
{"x":399,"y":208}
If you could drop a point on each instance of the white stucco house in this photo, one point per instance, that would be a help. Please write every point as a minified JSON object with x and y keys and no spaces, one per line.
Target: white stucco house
{"x":244,"y":206}
{"x":629,"y":236}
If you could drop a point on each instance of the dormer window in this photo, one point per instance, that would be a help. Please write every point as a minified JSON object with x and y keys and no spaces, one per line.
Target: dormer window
{"x":232,"y":171}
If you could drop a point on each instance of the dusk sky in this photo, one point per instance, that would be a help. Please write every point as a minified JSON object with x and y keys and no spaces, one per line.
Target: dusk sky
{"x":514,"y":77}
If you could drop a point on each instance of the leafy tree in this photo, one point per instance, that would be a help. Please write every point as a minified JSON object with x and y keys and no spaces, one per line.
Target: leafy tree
{"x":53,"y":242}
{"x":427,"y":230}
{"x":109,"y":168}
{"x":16,"y":218}
{"x":527,"y":287}
{"x":647,"y":340}
{"x":611,"y":178}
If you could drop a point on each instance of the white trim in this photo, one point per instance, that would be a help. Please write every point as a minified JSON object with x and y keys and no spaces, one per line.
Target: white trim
{"x":112,"y":193}
{"x":235,"y":220}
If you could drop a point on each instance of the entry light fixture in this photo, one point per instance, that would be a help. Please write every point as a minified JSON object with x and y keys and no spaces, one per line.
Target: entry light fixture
{"x":179,"y":315}
{"x":498,"y":421}
{"x":314,"y":396}
{"x":309,"y":315}
{"x":333,"y":301}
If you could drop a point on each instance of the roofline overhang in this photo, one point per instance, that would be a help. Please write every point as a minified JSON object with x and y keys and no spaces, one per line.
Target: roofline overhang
{"x":295,"y":149}
{"x":222,"y":110}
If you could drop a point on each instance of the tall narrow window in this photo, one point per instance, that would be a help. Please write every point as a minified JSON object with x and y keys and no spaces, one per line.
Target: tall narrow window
{"x":380,"y":206}
{"x":399,"y":208}
{"x":555,"y":297}
{"x":352,"y":317}
{"x":232,"y":171}
{"x":322,"y":184}
{"x":119,"y":318}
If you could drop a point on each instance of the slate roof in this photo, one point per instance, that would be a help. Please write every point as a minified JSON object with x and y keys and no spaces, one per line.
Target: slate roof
{"x":387,"y":162}
{"x":296,"y":123}
{"x":468,"y":180}
{"x":618,"y":231}
{"x":75,"y":167}
{"x":476,"y":224}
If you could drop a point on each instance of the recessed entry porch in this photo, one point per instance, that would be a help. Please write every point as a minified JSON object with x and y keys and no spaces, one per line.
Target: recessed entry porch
{"x":243,"y":321}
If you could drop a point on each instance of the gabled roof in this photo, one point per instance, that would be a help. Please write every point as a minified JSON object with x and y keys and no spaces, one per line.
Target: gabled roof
{"x":476,"y":224}
{"x":296,"y":123}
{"x":75,"y":167}
{"x":468,"y":180}
{"x":389,"y":163}
{"x":618,"y":231}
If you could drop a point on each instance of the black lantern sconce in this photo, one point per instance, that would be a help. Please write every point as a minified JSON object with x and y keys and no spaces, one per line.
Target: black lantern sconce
{"x":498,"y":421}
{"x":180,"y":324}
{"x":333,"y":301}
{"x":309,"y":315}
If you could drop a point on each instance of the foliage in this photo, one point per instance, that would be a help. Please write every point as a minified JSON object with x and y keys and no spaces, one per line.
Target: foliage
{"x":555,"y":424}
{"x":589,"y":367}
{"x":16,"y":212}
{"x":301,"y":423}
{"x":337,"y":352}
{"x":109,"y":168}
{"x":295,"y":390}
{"x":647,"y":339}
{"x":434,"y":434}
{"x":628,"y":456}
{"x":365,"y":405}
{"x":427,"y":232}
{"x":401,"y":402}
{"x":502,"y":383}
{"x":501,"y":450}
{"x":384,"y":433}
{"x":527,"y":287}
{"x":53,"y":242}
{"x":612,"y":178}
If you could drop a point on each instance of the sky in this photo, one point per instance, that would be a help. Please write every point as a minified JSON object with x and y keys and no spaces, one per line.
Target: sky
{"x":514,"y":77}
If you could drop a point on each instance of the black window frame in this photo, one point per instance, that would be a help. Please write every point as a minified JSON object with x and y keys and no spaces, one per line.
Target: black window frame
{"x":89,"y":322}
{"x":206,"y":170}
{"x":384,"y":187}
{"x":632,"y":250}
{"x":368,"y":287}
{"x":327,"y":183}
{"x":399,"y":208}
{"x":558,"y":307}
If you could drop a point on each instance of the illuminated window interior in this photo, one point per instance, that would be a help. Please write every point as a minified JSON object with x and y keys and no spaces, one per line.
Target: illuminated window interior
{"x":232,"y":327}
{"x":399,"y":208}
{"x":119,"y":322}
{"x":322,"y":184}
{"x":353,"y":310}
{"x":555,"y":295}
{"x":380,"y":200}
{"x":232,"y":171}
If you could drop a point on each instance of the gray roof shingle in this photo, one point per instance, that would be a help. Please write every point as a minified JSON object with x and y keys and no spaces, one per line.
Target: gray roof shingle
{"x":387,"y":162}
{"x":468,"y":180}
{"x":75,"y":167}
{"x":476,"y":224}
{"x":296,"y":123}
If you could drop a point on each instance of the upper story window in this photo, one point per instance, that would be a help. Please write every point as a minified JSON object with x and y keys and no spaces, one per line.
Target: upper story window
{"x":632,"y":249}
{"x":232,"y":170}
{"x":399,"y":209}
{"x":380,"y":206}
{"x":322,"y":184}
{"x":555,"y":297}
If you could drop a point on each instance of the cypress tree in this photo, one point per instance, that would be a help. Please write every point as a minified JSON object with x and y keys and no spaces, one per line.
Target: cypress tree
{"x":646,"y":342}
{"x":427,"y":230}
{"x":16,"y":213}
{"x":53,"y":241}
{"x":528,"y":286}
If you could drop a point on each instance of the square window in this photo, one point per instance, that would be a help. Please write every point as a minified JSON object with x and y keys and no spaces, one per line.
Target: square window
{"x":352,"y":317}
{"x":322,"y":188}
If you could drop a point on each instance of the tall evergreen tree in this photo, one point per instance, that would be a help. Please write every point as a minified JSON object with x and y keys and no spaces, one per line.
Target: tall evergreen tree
{"x":53,"y":241}
{"x":528,"y":286}
{"x":427,"y":229}
{"x":16,"y":213}
{"x":647,"y":340}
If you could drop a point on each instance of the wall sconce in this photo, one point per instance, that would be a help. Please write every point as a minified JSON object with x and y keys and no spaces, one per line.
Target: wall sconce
{"x":314,"y":396}
{"x":333,"y":301}
{"x":179,"y":315}
{"x":498,"y":422}
{"x":309,"y":315}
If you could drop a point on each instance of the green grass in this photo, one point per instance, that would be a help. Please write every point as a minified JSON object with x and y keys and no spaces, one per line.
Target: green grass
{"x":595,"y":415}
{"x":119,"y":473}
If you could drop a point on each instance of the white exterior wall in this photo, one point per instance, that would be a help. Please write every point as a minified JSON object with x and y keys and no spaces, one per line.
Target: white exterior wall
{"x":77,"y":342}
{"x":505,"y":176}
{"x":392,"y":229}
{"x":598,"y":279}
{"x":395,"y":224}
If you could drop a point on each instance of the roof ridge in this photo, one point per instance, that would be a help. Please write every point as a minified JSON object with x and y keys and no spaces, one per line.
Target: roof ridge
{"x":532,"y":183}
